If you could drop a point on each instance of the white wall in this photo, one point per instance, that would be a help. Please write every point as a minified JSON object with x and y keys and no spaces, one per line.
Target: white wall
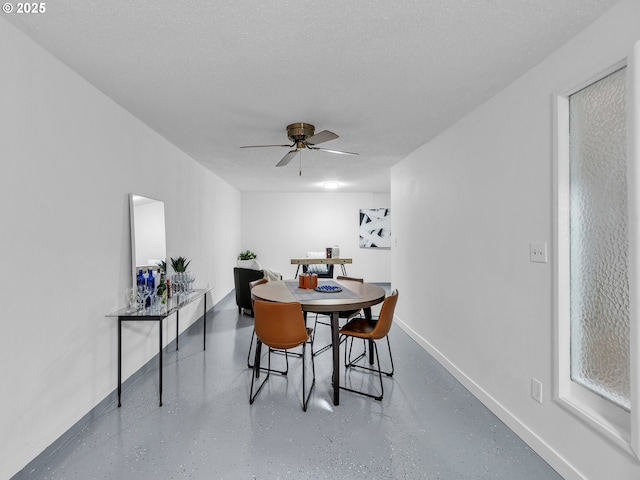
{"x":282,"y":226}
{"x":471,"y":201}
{"x":70,"y":157}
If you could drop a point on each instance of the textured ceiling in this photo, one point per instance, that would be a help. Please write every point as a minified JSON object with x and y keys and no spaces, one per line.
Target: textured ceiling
{"x":385,"y":75}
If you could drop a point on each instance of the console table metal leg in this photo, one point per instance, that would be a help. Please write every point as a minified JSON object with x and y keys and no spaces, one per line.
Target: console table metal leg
{"x":119,"y":362}
{"x":177,"y":328}
{"x":160,"y":360}
{"x":204,"y":332}
{"x":335,"y":342}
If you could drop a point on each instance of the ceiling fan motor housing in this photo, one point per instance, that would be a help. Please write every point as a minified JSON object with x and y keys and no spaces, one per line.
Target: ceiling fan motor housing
{"x":299,"y":132}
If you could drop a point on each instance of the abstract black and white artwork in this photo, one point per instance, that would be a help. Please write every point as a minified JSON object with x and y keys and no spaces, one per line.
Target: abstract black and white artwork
{"x":375,"y":228}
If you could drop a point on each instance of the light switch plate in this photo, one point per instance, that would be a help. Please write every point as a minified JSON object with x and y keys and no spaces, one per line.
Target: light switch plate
{"x":536,"y":390}
{"x":538,"y":252}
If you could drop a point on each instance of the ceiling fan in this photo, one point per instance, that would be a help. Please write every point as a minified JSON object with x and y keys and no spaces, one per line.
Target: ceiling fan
{"x":303,"y":136}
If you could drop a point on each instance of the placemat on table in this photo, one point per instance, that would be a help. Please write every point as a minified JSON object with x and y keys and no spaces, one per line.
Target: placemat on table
{"x":305,"y":294}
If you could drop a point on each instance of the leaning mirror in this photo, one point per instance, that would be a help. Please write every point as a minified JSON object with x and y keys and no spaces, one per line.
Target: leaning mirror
{"x":148,"y":240}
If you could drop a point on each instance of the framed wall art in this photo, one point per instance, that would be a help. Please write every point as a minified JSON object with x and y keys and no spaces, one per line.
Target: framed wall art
{"x":375,"y":228}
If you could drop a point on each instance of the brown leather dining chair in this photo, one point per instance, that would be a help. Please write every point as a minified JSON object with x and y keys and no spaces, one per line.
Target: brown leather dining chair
{"x":260,"y":281}
{"x":374,"y":330}
{"x":253,"y":333}
{"x":280,"y":326}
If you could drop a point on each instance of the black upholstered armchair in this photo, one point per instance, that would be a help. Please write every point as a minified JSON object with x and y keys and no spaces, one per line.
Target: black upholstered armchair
{"x":242,"y":278}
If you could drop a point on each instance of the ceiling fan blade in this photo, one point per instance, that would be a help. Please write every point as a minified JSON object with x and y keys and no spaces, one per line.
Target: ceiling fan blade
{"x":260,"y":146}
{"x":332,"y":151}
{"x":287,"y":158}
{"x":323,"y":136}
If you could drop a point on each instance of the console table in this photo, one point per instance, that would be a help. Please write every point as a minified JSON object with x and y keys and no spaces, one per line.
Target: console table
{"x":173,"y":305}
{"x":321,"y":261}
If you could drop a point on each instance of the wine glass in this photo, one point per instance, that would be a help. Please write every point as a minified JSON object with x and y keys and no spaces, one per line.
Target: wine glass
{"x":147,"y":292}
{"x":177,"y":280}
{"x":191,"y":277}
{"x":154,"y":301}
{"x":140,"y":296}
{"x":131,"y":297}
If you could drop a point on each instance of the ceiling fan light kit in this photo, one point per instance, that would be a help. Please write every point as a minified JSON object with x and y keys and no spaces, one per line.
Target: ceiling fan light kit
{"x":303,"y":136}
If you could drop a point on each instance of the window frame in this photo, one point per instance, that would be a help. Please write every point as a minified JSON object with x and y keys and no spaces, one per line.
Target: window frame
{"x":619,"y":426}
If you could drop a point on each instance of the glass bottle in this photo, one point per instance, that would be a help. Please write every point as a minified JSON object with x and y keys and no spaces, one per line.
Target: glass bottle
{"x":140,"y":284}
{"x":151,"y":286}
{"x":162,"y":289}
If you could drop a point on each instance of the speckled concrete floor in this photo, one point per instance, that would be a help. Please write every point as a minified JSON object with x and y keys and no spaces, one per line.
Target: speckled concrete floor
{"x":427,"y":425}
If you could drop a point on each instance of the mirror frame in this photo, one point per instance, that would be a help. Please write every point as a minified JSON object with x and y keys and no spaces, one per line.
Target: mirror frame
{"x":134,"y":265}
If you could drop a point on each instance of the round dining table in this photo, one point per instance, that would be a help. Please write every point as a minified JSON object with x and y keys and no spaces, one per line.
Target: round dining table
{"x":360,"y":296}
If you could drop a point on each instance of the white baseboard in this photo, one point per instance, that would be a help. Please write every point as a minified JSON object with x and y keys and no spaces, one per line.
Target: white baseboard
{"x":551,"y":456}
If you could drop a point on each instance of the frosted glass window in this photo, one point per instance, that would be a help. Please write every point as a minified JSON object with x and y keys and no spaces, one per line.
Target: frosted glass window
{"x":600,"y":357}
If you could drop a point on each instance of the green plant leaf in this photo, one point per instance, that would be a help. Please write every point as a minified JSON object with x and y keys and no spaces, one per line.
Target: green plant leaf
{"x":179,"y":264}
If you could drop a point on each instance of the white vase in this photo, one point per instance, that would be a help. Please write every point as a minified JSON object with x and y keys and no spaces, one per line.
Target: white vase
{"x":251,"y":264}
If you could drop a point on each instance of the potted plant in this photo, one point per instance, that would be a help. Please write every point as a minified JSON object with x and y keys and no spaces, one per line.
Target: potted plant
{"x":183,"y":280}
{"x":247,"y":255}
{"x":247,"y":259}
{"x":162,"y":266}
{"x":179,"y":264}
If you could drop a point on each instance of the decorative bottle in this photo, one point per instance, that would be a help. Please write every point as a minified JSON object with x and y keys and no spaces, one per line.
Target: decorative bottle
{"x":140,"y":283}
{"x":162,"y":289}
{"x":151,"y":285}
